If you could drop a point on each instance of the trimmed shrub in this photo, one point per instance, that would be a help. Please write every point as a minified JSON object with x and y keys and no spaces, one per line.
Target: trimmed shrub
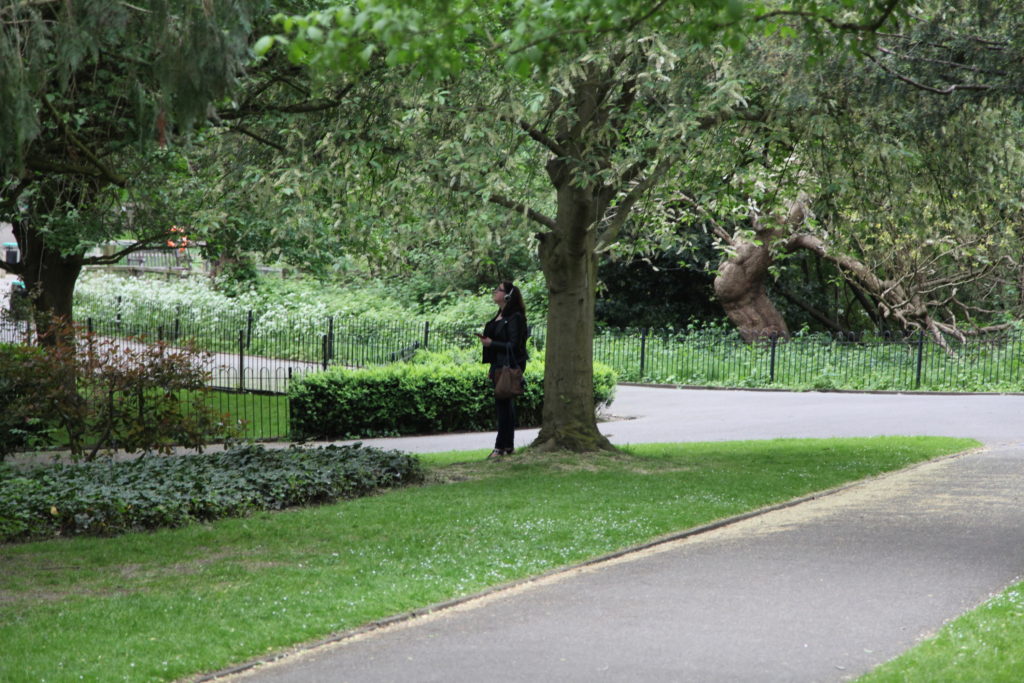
{"x":430,"y":395}
{"x":107,"y":498}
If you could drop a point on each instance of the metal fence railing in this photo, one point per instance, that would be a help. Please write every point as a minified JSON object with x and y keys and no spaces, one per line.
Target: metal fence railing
{"x":915,"y":362}
{"x":253,"y":356}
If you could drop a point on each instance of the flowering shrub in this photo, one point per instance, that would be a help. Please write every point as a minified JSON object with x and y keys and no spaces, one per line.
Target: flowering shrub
{"x":146,"y":303}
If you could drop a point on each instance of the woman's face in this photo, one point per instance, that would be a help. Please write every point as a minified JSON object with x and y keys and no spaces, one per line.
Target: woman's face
{"x":499,"y":295}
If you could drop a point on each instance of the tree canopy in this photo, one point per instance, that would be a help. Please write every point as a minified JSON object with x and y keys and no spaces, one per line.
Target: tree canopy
{"x":571,"y":115}
{"x":93,"y":95}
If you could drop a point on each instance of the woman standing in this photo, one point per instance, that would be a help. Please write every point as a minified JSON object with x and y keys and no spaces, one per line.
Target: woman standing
{"x":504,"y":341}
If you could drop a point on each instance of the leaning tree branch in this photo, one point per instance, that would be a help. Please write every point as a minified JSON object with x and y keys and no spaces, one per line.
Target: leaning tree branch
{"x":104,"y":171}
{"x":501,"y":200}
{"x":609,"y":228}
{"x":245,"y":130}
{"x":949,"y":90}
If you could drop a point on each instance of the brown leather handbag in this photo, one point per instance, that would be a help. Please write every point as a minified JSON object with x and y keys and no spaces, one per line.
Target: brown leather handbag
{"x":508,"y":382}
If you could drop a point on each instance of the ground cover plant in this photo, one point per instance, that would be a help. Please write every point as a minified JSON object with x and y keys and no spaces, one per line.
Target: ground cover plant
{"x":110,"y":497}
{"x":126,"y":607}
{"x":982,"y":645}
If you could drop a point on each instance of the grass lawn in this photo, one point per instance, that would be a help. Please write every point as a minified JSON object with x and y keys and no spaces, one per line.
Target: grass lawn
{"x":986,"y":644}
{"x":163,"y":605}
{"x":265,"y":415}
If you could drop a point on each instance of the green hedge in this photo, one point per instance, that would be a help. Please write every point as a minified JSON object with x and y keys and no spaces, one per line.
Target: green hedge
{"x":423,"y":397}
{"x":107,"y":497}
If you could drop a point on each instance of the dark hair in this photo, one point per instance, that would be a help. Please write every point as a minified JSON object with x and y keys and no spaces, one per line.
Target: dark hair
{"x":513,"y":299}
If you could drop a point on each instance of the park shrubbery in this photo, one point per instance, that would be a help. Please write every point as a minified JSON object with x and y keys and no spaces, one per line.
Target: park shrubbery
{"x":433,"y":394}
{"x":107,"y":497}
{"x":19,"y":428}
{"x":92,"y":393}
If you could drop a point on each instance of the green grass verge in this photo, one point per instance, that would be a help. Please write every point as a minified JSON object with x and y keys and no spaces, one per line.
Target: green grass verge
{"x":265,"y":416}
{"x":163,"y":605}
{"x":982,"y":645}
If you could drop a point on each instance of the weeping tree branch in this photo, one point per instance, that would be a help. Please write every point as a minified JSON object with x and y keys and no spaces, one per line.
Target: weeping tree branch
{"x":104,"y":171}
{"x":948,"y":90}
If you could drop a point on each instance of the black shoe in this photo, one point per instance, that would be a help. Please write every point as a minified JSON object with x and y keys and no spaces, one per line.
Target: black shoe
{"x":496,"y":454}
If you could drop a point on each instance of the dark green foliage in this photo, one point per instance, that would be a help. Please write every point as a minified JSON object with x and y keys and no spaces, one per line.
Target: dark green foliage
{"x":414,"y":398}
{"x":668,"y":290}
{"x":108,"y":498}
{"x":98,"y":393}
{"x":18,"y":429}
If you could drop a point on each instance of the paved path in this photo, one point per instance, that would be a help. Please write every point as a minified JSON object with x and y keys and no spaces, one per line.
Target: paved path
{"x":663,"y":414}
{"x":820,"y":591}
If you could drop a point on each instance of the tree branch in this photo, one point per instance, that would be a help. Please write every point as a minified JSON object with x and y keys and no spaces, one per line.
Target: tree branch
{"x":110,"y":259}
{"x":501,"y":200}
{"x":609,"y":228}
{"x":927,"y":88}
{"x":941,"y":62}
{"x":245,"y":130}
{"x":839,"y":26}
{"x":104,"y":171}
{"x":543,"y":139}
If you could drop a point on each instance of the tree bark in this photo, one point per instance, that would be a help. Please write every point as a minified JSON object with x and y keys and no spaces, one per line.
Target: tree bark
{"x":740,"y":287}
{"x":50,"y":279}
{"x":569,"y":260}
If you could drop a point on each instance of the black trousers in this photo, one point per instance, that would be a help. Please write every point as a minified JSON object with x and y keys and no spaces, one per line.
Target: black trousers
{"x":506,"y":411}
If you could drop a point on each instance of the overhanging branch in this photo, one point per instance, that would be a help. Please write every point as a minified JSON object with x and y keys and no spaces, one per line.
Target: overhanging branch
{"x":609,"y":228}
{"x":949,"y":90}
{"x":500,"y":200}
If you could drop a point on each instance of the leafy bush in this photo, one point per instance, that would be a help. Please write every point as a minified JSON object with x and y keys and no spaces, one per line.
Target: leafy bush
{"x":107,"y":497}
{"x":99,"y":393}
{"x":433,"y":394}
{"x":18,"y":427}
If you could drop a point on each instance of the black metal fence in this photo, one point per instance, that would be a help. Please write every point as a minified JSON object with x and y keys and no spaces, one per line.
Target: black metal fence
{"x":914,"y":362}
{"x":254,"y":358}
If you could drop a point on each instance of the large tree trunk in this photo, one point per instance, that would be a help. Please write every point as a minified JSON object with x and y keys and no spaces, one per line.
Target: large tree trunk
{"x":569,"y":260}
{"x":740,"y":283}
{"x":50,"y":279}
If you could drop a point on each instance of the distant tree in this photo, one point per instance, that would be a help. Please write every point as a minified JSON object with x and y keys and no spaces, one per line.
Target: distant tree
{"x":898,"y":171}
{"x":94,"y":97}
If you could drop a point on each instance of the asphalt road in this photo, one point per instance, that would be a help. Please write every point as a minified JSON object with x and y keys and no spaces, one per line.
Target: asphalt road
{"x":820,"y":591}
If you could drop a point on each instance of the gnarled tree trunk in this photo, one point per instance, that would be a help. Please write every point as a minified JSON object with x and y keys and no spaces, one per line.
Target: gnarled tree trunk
{"x":740,"y":289}
{"x":740,"y":285}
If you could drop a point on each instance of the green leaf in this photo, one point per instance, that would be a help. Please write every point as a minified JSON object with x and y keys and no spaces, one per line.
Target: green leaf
{"x":263,"y":45}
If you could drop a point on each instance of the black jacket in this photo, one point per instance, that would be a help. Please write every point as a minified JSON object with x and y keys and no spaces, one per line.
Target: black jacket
{"x":508,"y":341}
